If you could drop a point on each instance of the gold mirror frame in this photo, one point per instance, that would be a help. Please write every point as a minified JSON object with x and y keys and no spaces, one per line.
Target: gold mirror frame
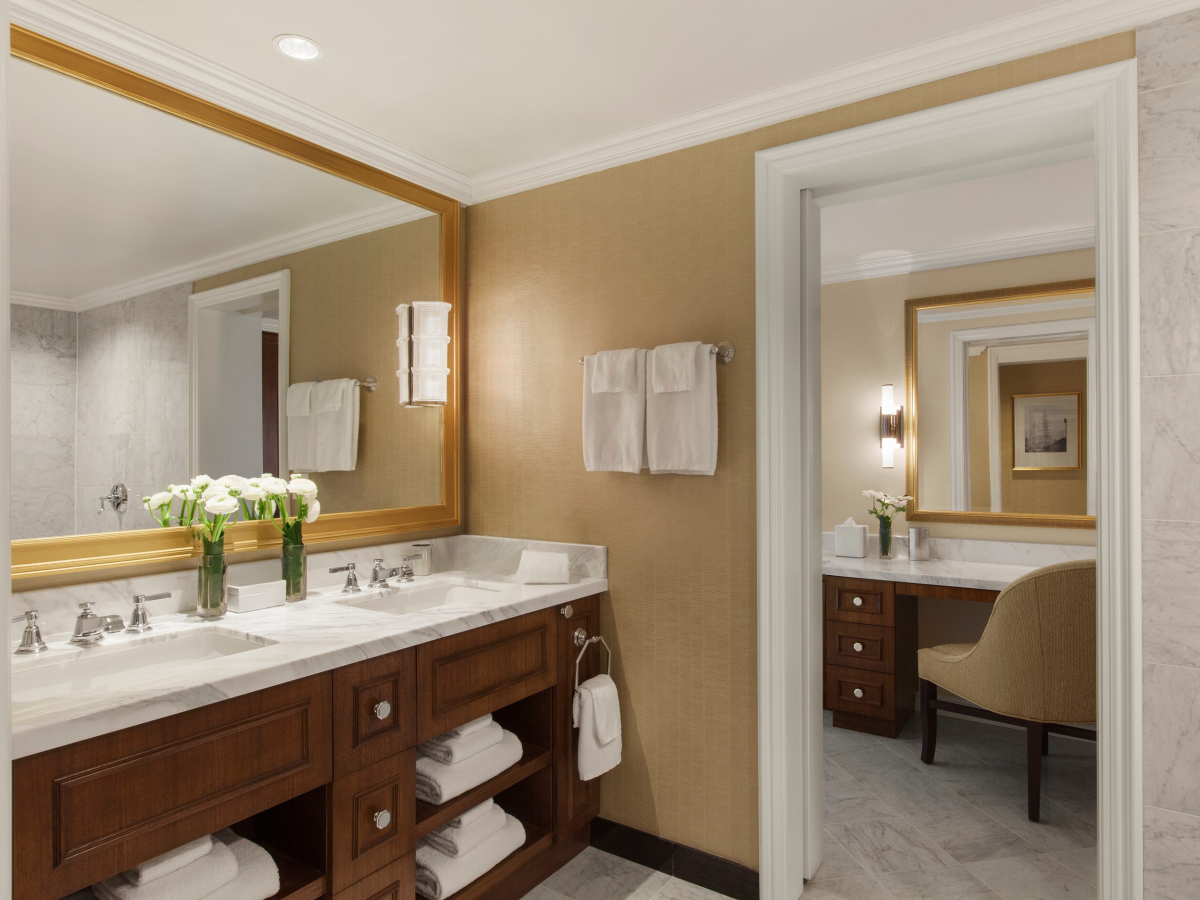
{"x":71,"y":555}
{"x":911,"y":307}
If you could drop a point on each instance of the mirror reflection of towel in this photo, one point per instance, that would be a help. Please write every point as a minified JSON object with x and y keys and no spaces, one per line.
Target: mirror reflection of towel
{"x":326,"y":440}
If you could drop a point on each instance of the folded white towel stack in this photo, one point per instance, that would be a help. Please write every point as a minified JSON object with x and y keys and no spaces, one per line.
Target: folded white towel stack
{"x":473,"y":813}
{"x":674,"y":367}
{"x":470,"y":727}
{"x":169,"y":861}
{"x":257,"y":874}
{"x":438,"y":782}
{"x":615,"y":372}
{"x":439,"y":875}
{"x":540,"y":567}
{"x":614,"y":422}
{"x":458,"y":840}
{"x":596,"y":710}
{"x":681,"y":425}
{"x":454,"y":748}
{"x":193,"y":881}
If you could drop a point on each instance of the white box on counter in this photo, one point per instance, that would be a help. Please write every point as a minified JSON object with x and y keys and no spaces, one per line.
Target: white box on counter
{"x":249,"y":597}
{"x":850,"y":540}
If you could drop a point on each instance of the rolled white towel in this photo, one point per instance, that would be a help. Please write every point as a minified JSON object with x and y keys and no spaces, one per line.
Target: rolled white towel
{"x":257,"y":874}
{"x":439,"y":875}
{"x":455,"y":749}
{"x":473,"y":813}
{"x":471,"y":727}
{"x":197,"y":879}
{"x":169,"y":861}
{"x":456,"y":841}
{"x":438,"y":782}
{"x":541,"y":567}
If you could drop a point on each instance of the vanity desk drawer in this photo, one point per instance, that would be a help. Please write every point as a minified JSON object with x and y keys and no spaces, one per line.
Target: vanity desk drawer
{"x":373,"y":817}
{"x":860,"y":600}
{"x":374,"y":716}
{"x":870,"y":694}
{"x":860,"y":646}
{"x":395,"y":881}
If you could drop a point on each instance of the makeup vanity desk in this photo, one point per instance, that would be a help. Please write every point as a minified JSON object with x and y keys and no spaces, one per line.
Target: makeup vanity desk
{"x":870,"y":613}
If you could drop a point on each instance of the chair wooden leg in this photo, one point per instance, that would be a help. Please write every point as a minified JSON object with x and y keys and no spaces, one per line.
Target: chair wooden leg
{"x":928,"y":722}
{"x":1034,"y":735}
{"x":1045,"y":742}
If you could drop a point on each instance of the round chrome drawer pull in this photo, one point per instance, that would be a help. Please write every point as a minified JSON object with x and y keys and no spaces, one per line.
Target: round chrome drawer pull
{"x":858,"y":693}
{"x":382,"y":709}
{"x":383,"y":819}
{"x":857,"y":647}
{"x":858,"y":601}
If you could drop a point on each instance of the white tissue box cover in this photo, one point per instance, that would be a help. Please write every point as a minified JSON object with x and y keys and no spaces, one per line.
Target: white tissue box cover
{"x":850,"y":540}
{"x":249,"y":597}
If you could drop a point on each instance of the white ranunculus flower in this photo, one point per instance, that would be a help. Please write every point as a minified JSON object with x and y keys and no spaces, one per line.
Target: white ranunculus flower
{"x":273,"y":486}
{"x":233,"y":483}
{"x":314,"y":510}
{"x":183,"y":491}
{"x":220,"y":505}
{"x":302,"y":486}
{"x":253,"y":491}
{"x":214,"y":490}
{"x":159,"y":500}
{"x":200,"y":482}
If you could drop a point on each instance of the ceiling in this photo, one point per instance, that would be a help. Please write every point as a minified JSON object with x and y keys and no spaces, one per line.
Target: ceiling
{"x":105,"y":191}
{"x":477,"y":86}
{"x":1018,"y":213}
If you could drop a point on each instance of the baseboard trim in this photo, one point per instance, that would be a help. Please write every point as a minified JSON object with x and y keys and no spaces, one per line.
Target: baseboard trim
{"x":682,"y":862}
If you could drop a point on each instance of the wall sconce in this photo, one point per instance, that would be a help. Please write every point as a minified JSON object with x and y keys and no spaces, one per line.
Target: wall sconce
{"x":891,"y":427}
{"x":430,"y":353}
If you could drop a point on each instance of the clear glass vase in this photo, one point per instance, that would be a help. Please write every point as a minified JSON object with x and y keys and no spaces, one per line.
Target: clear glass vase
{"x":885,"y":538}
{"x":294,"y":561}
{"x":211,"y":601}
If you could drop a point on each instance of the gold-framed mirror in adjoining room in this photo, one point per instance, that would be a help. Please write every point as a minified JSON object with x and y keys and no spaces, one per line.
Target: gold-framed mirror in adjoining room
{"x":191,"y":289}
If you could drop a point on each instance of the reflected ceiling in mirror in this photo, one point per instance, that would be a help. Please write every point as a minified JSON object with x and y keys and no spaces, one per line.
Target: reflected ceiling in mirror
{"x":1001,"y":406}
{"x":170,"y":283}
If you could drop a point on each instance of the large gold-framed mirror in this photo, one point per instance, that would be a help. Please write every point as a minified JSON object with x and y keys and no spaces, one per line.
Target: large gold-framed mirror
{"x":292,"y":262}
{"x":1001,"y":391}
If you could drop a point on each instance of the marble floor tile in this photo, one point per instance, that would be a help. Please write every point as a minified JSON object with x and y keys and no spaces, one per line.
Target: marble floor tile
{"x":842,"y":740}
{"x":541,"y":892}
{"x":596,"y":875}
{"x":954,"y":883}
{"x":1171,"y":843}
{"x":849,"y":800}
{"x":862,"y":888}
{"x":1082,"y":862}
{"x":915,"y":795}
{"x":836,"y":861}
{"x":834,"y":772}
{"x":677,"y":889}
{"x":889,"y":845}
{"x":1057,"y":829}
{"x":974,"y":836}
{"x":1031,"y":878}
{"x":870,"y":761}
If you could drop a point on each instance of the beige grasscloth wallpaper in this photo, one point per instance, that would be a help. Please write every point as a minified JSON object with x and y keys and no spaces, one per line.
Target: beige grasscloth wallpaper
{"x":344,"y":298}
{"x":652,"y":252}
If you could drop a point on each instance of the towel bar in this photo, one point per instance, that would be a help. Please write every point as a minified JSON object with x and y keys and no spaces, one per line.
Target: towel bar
{"x":368,"y":383}
{"x":582,"y":640}
{"x":724,"y":351}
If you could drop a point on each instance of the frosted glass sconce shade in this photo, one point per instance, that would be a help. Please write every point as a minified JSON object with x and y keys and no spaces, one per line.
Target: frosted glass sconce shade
{"x":891,"y":426}
{"x":430,"y":352}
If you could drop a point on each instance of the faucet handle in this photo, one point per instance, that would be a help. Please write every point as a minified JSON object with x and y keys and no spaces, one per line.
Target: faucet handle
{"x":31,"y":640}
{"x":88,"y":607}
{"x":351,"y":586}
{"x":139,"y":619}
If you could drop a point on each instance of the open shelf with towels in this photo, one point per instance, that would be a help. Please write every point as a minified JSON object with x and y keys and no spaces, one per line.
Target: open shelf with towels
{"x":536,"y":840}
{"x":533,"y":759}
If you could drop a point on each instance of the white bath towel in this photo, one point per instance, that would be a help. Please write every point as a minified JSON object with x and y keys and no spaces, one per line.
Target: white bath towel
{"x":301,"y":425}
{"x":614,"y":424}
{"x":335,"y":406}
{"x":169,"y":861}
{"x":439,"y":875}
{"x":541,"y":567}
{"x":615,"y":372}
{"x":451,"y":749}
{"x":470,"y":727}
{"x":674,"y":367}
{"x":257,"y":874}
{"x":438,"y":782}
{"x":596,"y":710}
{"x":473,"y":813}
{"x":681,"y":426}
{"x":197,"y":879}
{"x":458,"y":841}
{"x":299,"y":398}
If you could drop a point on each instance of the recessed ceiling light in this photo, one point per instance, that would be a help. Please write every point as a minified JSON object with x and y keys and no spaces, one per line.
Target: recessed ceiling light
{"x":297,"y":46}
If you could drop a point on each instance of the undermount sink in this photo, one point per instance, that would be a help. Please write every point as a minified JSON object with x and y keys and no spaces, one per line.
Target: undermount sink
{"x":415,"y":597}
{"x":122,"y":659}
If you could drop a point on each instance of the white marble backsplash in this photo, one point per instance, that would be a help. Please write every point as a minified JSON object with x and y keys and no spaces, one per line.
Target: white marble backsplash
{"x":1007,"y":553}
{"x":473,"y":554}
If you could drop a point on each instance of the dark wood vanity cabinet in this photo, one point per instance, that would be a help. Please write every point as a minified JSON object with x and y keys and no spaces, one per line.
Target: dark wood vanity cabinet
{"x":321,"y":771}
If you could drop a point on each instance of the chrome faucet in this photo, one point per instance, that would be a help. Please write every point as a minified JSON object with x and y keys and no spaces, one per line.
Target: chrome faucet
{"x":139,"y":620}
{"x":379,"y":575}
{"x":405,"y":570}
{"x":351,"y":586}
{"x":31,"y":640}
{"x":89,"y":627}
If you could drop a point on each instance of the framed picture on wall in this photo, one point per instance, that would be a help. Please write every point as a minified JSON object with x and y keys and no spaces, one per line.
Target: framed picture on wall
{"x":1045,"y":431}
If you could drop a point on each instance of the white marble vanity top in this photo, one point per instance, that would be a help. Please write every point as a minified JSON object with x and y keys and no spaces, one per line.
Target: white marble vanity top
{"x":985,"y":576}
{"x":298,"y":640}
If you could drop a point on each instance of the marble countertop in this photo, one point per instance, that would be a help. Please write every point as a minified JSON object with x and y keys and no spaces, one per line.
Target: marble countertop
{"x":299,"y":640}
{"x":987,"y":576}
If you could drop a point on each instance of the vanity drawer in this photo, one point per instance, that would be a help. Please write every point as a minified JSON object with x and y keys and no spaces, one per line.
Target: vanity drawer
{"x":861,"y":692}
{"x":395,"y":881}
{"x":373,"y":813}
{"x":860,"y":600}
{"x":461,"y":677}
{"x":374,"y":716}
{"x":858,"y":646}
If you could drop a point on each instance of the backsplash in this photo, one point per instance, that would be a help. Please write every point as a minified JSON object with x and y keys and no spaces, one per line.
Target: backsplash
{"x":1013,"y":553}
{"x":475,"y":554}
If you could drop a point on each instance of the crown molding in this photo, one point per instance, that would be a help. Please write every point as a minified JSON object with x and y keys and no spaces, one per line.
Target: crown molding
{"x":24,"y":298}
{"x":984,"y":251}
{"x":1014,"y":37}
{"x":110,"y":39}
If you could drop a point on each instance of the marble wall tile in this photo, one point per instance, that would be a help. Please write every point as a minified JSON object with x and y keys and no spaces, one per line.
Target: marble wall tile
{"x":1166,"y":51}
{"x":1168,"y":173}
{"x":1171,"y":593}
{"x":1170,"y":315}
{"x":1171,"y":847}
{"x":1170,"y":447}
{"x":1171,"y":753}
